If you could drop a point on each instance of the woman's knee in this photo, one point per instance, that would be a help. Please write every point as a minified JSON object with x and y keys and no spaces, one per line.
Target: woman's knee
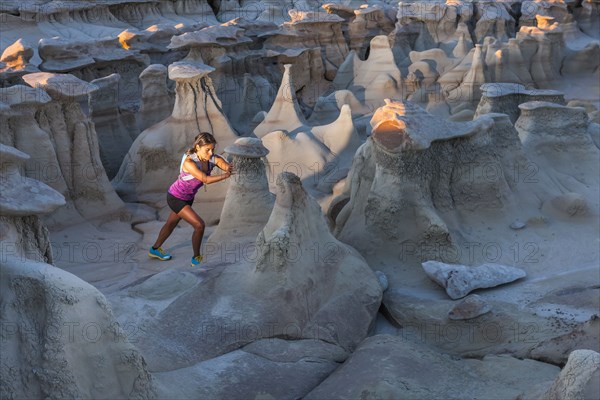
{"x":198,"y":225}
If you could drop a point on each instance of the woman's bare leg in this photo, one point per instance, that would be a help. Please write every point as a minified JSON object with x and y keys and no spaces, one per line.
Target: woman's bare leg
{"x":190,"y":216}
{"x":167,"y":229}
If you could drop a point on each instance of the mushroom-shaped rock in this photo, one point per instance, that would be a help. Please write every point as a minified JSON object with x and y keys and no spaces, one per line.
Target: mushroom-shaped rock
{"x":21,"y":196}
{"x":505,"y":98}
{"x":183,"y":70}
{"x":411,"y":169}
{"x":556,"y":137}
{"x":294,"y":285}
{"x":66,"y":54}
{"x":460,"y":280}
{"x":60,"y":86}
{"x":403,"y":125}
{"x":248,"y":203}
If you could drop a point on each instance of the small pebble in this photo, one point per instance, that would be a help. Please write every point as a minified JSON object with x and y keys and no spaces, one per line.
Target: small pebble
{"x":518,"y":224}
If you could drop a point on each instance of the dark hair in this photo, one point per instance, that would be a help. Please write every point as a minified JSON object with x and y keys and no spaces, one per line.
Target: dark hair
{"x":203,"y":138}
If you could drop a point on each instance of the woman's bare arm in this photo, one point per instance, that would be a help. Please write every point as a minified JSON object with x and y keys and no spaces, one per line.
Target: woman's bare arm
{"x":191,"y":168}
{"x":223,"y":164}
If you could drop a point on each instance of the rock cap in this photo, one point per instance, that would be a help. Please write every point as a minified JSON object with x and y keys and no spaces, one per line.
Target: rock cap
{"x":60,"y":86}
{"x":182,"y":70}
{"x":21,"y":196}
{"x":248,"y":148}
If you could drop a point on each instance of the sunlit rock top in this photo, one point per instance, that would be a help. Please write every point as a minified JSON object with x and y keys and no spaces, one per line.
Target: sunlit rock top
{"x":402,"y":125}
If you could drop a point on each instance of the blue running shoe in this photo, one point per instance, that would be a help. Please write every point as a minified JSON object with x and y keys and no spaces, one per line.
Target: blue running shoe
{"x":196,"y":260}
{"x":159,"y":253}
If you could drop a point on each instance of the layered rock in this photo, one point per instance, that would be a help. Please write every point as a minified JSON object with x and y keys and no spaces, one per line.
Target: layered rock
{"x":493,"y":19}
{"x":59,"y":336}
{"x":268,"y":368}
{"x":115,"y":128}
{"x":549,"y":129}
{"x":505,"y":98}
{"x":543,"y":46}
{"x":369,"y":21}
{"x":312,"y":30}
{"x":293,"y":285}
{"x":72,"y":148}
{"x":156,"y":101}
{"x":587,"y":18}
{"x":423,"y":25}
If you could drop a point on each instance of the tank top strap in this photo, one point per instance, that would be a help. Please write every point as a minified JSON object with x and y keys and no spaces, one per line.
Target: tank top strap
{"x":182,"y":161}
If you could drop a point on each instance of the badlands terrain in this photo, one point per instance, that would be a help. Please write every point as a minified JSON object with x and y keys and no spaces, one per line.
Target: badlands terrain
{"x":414,"y":213}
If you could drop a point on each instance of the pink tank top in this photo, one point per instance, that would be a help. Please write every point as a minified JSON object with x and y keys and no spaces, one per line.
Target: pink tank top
{"x":186,"y":186}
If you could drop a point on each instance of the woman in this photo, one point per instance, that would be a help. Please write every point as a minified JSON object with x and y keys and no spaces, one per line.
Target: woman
{"x":194,"y":172}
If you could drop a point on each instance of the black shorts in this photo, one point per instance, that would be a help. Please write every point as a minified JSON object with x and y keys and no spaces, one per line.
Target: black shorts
{"x":177,"y":204}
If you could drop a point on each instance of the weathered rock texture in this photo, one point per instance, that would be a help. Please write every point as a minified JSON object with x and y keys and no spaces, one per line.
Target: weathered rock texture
{"x":248,"y":203}
{"x":579,"y":379}
{"x":64,"y":144}
{"x":22,"y":201}
{"x":409,"y":169}
{"x":407,"y":370}
{"x":460,"y":280}
{"x":62,"y":339}
{"x":505,"y":98}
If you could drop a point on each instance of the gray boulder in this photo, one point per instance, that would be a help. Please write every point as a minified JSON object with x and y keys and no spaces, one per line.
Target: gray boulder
{"x":460,"y":280}
{"x":579,"y":379}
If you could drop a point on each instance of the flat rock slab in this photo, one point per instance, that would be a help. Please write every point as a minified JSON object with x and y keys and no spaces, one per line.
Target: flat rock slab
{"x":288,"y":371}
{"x":60,"y":85}
{"x":460,"y":280}
{"x":406,"y":370}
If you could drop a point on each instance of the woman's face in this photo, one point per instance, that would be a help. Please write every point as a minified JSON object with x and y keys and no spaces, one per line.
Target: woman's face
{"x":205,"y":152}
